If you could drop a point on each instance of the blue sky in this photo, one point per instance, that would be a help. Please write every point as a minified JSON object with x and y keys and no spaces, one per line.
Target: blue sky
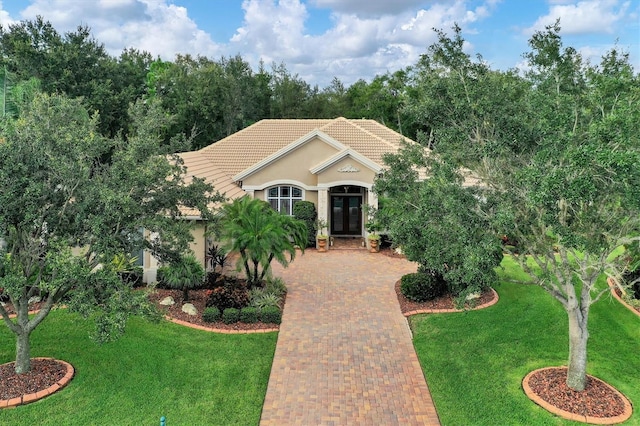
{"x":349,"y":39}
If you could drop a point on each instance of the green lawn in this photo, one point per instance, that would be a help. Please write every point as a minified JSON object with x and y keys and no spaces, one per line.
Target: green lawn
{"x":191,"y":377}
{"x":474,"y":362}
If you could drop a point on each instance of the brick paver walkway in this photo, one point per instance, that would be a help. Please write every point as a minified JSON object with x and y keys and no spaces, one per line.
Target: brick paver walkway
{"x":344,"y":354}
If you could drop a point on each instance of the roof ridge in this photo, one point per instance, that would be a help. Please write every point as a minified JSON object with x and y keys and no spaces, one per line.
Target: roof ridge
{"x":352,"y":122}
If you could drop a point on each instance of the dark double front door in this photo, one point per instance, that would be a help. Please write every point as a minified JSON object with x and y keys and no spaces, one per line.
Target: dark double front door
{"x":346,"y":215}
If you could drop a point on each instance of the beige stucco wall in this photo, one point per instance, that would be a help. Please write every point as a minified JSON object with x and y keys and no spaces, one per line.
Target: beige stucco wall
{"x":198,"y":245}
{"x":331,"y":174}
{"x":294,"y":165}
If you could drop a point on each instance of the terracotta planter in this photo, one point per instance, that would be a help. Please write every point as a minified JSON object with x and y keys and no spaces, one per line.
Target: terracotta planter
{"x":374,"y":246}
{"x":322,"y":245}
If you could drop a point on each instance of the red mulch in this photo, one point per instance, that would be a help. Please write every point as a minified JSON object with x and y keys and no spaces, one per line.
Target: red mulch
{"x":597,"y":399}
{"x":198,"y":299}
{"x":444,"y":302}
{"x":44,"y":373}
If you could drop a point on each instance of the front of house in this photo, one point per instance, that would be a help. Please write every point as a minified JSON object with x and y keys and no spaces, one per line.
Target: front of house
{"x":330,"y":162}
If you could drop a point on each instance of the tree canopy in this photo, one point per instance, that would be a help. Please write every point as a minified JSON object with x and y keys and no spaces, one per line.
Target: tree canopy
{"x":65,"y":187}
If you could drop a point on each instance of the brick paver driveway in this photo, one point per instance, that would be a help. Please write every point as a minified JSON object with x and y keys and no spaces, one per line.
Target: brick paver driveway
{"x":344,"y":354}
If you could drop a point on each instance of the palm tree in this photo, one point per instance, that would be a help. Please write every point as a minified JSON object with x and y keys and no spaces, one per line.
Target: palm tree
{"x":184,"y":274}
{"x":260,"y":234}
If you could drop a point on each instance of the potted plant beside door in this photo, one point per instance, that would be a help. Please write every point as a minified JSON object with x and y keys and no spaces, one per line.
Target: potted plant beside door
{"x":322,"y":237}
{"x":373,"y":237}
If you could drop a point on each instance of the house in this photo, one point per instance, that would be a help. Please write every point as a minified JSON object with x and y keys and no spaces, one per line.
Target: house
{"x":330,"y":162}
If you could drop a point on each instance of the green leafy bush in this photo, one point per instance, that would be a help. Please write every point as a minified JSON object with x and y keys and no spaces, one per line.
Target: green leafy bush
{"x":422,"y":286}
{"x":261,"y":299}
{"x":275,"y":286}
{"x":271,"y":315}
{"x":232,"y":295}
{"x":249,"y":315}
{"x":183,"y":274}
{"x":306,"y":212}
{"x":211,"y":314}
{"x":230,"y":315}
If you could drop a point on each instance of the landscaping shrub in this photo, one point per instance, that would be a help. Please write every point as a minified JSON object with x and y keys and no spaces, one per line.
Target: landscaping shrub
{"x":275,"y":286}
{"x":230,"y":315}
{"x":211,"y":314}
{"x":230,"y":295}
{"x":271,"y":315}
{"x":262,"y":299}
{"x":422,"y":286}
{"x":249,"y":315}
{"x":306,"y":212}
{"x":183,"y":274}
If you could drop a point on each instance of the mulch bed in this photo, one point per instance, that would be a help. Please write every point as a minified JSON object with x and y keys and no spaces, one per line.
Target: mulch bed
{"x":597,"y":399}
{"x":44,"y":373}
{"x":444,"y":302}
{"x":198,"y":298}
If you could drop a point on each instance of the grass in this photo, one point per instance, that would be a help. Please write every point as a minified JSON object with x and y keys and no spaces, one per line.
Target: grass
{"x":475,"y":361}
{"x":189,"y":376}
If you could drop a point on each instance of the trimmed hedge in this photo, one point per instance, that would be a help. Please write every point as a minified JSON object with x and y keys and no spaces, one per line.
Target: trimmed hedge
{"x":422,"y":286}
{"x":230,"y":315}
{"x":271,"y":315}
{"x":211,"y":314}
{"x":249,"y":315}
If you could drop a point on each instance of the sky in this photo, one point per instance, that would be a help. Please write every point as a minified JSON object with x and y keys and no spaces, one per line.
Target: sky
{"x":349,"y":39}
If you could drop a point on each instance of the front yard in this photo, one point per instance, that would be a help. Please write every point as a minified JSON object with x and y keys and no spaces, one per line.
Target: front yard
{"x":474,"y":362}
{"x":154,"y":370}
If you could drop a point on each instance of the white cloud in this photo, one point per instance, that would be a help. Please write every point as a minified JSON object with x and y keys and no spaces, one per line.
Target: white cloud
{"x":583,"y":17}
{"x":357,"y":45}
{"x":152,"y":25}
{"x":5,"y":18}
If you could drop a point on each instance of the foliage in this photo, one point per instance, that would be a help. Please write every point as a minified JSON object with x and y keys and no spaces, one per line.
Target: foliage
{"x":232,"y":294}
{"x":271,"y":315}
{"x":211,"y":314}
{"x":526,"y":330}
{"x":217,"y":259}
{"x":184,"y":274}
{"x":557,"y":153}
{"x":275,"y":285}
{"x":260,"y":234}
{"x":59,"y":190}
{"x":423,"y":286}
{"x":261,"y":299}
{"x":249,"y":315}
{"x":230,"y":315}
{"x":435,"y":220}
{"x":306,"y":212}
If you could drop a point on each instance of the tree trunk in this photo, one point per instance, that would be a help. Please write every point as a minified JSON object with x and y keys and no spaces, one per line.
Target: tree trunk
{"x":23,"y":353}
{"x":578,"y":336}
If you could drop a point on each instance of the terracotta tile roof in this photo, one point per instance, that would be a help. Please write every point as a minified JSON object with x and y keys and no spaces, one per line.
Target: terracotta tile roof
{"x":220,"y":161}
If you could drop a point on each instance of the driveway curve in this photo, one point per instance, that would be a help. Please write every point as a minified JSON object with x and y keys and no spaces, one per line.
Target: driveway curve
{"x":344,"y":354}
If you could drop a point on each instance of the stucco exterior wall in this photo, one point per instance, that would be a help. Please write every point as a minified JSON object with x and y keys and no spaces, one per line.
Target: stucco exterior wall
{"x":334,"y":173}
{"x":294,"y":165}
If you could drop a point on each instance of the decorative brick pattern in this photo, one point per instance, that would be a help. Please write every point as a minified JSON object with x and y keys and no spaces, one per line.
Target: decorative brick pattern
{"x":344,"y":352}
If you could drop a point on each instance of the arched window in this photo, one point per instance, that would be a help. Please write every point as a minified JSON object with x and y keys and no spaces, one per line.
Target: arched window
{"x":283,"y":198}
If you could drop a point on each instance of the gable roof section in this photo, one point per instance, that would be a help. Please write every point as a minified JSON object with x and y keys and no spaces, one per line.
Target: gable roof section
{"x":287,"y":149}
{"x":227,"y":161}
{"x":343,"y":154}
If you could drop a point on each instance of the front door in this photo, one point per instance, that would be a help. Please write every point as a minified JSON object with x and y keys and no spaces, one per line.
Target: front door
{"x":346,"y":215}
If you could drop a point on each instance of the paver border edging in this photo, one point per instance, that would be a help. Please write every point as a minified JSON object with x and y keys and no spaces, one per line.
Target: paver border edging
{"x":628,"y":410}
{"x":446,"y":311}
{"x":620,"y":299}
{"x":219,"y":330}
{"x":32,"y":397}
